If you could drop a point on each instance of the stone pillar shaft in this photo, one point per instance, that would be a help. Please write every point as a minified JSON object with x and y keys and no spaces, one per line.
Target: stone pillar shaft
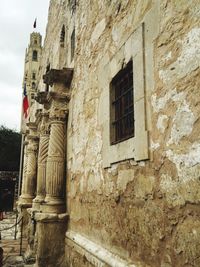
{"x":55,"y":163}
{"x":30,"y":180}
{"x":24,"y":170}
{"x":55,"y":183}
{"x":41,"y":173}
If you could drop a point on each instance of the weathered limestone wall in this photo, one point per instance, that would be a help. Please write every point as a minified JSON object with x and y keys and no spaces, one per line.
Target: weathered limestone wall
{"x":148,"y":210}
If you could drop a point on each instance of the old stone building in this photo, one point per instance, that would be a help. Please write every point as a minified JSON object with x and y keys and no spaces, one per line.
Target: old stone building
{"x":111,"y":152}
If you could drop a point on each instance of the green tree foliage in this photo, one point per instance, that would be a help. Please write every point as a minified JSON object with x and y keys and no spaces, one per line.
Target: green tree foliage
{"x":10,"y":145}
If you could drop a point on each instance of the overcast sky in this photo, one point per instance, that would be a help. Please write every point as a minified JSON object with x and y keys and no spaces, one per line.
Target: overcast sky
{"x":16,"y":24}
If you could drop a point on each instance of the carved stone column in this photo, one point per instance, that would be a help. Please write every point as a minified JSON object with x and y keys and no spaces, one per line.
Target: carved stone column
{"x":24,"y":169}
{"x":55,"y":182}
{"x":29,"y":187}
{"x":22,"y":201}
{"x":52,"y":221}
{"x":42,"y":159}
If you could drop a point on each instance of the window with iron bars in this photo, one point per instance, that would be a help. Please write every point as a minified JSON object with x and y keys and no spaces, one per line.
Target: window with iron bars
{"x":121,"y":105}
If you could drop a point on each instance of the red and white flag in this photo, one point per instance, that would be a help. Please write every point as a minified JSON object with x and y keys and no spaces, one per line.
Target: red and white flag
{"x":25,"y":102}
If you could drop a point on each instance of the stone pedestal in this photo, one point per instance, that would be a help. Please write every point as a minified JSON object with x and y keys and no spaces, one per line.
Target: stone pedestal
{"x":30,"y":253}
{"x":22,"y":228}
{"x":51,"y":239}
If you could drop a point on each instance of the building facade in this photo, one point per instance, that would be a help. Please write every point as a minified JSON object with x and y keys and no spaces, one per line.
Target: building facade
{"x":111,"y":151}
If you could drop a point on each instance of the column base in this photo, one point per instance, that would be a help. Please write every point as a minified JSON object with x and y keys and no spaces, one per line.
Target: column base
{"x":36,"y":206}
{"x":26,"y":199}
{"x":51,"y":207}
{"x":37,"y":202}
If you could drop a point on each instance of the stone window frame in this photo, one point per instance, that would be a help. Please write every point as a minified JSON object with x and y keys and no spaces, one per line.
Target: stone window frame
{"x":137,"y":147}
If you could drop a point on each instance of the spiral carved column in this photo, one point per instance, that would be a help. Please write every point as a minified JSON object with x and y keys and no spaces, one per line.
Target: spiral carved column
{"x":30,"y":181}
{"x":55,"y":168}
{"x":24,"y":170}
{"x":54,"y":201}
{"x":52,"y":221}
{"x":41,"y":172}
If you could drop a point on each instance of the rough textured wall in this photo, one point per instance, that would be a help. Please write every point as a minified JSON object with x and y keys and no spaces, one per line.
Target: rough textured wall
{"x":147,"y":210}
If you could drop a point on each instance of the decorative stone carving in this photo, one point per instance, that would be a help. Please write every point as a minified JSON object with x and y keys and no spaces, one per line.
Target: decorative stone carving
{"x":30,"y":183}
{"x":55,"y":184}
{"x":57,"y":99}
{"x":63,"y":76}
{"x":29,"y":186}
{"x":55,"y":166}
{"x":24,"y":171}
{"x":42,"y":158}
{"x":41,"y":97}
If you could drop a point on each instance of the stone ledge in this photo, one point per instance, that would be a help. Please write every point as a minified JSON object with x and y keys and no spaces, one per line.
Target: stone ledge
{"x":96,"y":254}
{"x":51,"y":217}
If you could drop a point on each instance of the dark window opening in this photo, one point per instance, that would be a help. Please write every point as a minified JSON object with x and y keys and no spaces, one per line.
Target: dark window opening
{"x":35,"y":55}
{"x":72,"y":44}
{"x":33,"y":76}
{"x":121,"y":105}
{"x":33,"y":85}
{"x":62,"y":36}
{"x":35,"y":41}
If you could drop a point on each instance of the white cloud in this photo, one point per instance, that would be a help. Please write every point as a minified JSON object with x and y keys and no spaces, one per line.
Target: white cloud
{"x":16,"y":24}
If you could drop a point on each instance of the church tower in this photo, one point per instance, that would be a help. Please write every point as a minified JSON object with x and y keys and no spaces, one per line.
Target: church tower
{"x":32,"y":63}
{"x":31,"y":69}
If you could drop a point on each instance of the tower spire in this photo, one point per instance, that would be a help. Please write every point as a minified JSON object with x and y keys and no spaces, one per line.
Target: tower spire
{"x":35,"y":23}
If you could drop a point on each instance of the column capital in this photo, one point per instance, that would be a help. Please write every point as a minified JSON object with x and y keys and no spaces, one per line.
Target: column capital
{"x":32,"y":146}
{"x":59,"y":107}
{"x":58,"y":115}
{"x":44,"y":126}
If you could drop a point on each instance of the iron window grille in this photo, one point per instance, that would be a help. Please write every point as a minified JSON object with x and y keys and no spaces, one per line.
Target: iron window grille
{"x":121,"y":105}
{"x":62,"y":36}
